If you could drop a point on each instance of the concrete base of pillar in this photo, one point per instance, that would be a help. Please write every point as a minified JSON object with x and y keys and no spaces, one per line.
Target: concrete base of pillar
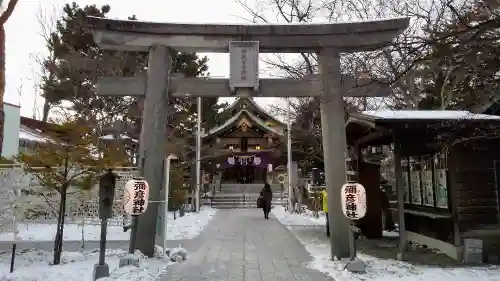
{"x":129,"y":260}
{"x":355,"y":266}
{"x":100,"y":271}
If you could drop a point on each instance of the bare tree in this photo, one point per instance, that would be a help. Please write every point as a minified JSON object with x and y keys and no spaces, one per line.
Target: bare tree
{"x":396,"y":63}
{"x":4,"y":17}
{"x":47,"y":22}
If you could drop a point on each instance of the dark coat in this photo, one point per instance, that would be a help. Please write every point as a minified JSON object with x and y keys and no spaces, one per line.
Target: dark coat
{"x":267,"y":198}
{"x":267,"y":195}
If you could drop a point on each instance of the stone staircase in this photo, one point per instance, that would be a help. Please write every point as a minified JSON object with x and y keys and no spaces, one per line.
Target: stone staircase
{"x":237,"y":188}
{"x":241,"y":200}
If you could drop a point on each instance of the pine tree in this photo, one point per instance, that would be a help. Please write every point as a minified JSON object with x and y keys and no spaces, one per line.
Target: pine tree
{"x":66,"y":78}
{"x":68,"y":160}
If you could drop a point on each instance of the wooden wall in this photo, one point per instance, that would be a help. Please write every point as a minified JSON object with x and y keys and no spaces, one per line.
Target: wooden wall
{"x":472,"y":179}
{"x":369,"y":177}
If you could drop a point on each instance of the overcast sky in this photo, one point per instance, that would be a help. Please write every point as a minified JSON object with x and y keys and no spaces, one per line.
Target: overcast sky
{"x":24,"y":41}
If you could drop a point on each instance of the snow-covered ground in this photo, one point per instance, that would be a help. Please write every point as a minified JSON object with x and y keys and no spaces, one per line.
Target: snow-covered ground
{"x":377,"y":269}
{"x":304,"y":219}
{"x":186,"y":227}
{"x":33,"y":265}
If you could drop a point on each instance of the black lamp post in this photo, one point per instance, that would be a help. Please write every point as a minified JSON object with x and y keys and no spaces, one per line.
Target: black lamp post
{"x":107,"y":183}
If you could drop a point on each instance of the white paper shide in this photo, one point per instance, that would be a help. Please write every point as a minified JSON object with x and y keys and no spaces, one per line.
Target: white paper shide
{"x":353,"y":201}
{"x":135,"y":198}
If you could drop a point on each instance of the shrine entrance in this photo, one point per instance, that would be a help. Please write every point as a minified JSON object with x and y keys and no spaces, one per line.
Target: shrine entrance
{"x":244,"y":170}
{"x":328,"y":41}
{"x":243,"y":175}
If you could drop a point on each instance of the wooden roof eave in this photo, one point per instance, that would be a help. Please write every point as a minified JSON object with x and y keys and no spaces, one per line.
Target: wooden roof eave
{"x":375,"y":133}
{"x":258,"y":107}
{"x":361,"y":119}
{"x":234,"y":119}
{"x":379,"y":131}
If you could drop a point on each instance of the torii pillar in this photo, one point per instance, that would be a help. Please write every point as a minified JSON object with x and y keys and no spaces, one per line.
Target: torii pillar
{"x":244,"y":42}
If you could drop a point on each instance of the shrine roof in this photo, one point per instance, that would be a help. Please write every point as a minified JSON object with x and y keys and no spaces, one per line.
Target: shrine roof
{"x":422,"y":115}
{"x":231,"y":121}
{"x":360,"y":124}
{"x":255,"y":105}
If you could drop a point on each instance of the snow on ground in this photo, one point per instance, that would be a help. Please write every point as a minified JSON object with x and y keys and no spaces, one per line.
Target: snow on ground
{"x":33,"y":265}
{"x":377,"y":269}
{"x":306,"y":218}
{"x":391,"y":270}
{"x":186,"y":227}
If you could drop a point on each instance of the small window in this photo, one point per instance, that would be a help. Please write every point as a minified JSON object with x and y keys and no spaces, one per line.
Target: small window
{"x":425,"y":180}
{"x":415,"y":180}
{"x":427,"y":183}
{"x":440,"y":180}
{"x":406,"y":180}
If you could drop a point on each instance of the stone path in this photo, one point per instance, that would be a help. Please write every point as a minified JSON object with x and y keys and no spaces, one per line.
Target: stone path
{"x":240,"y":245}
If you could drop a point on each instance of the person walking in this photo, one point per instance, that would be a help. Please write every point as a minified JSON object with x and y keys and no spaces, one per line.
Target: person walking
{"x":267,"y":197}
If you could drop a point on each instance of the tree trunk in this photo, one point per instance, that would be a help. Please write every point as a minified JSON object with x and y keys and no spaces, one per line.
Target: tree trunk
{"x":58,"y":241}
{"x":46,"y":109}
{"x":3,"y":19}
{"x":2,"y":84}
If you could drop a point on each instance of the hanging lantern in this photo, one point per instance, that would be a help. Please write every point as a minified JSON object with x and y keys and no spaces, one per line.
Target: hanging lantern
{"x":136,"y":196}
{"x":257,"y":161}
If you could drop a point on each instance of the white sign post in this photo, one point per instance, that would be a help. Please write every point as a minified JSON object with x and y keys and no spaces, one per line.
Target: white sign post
{"x":353,"y":201}
{"x":167,"y":192}
{"x":135,"y":203}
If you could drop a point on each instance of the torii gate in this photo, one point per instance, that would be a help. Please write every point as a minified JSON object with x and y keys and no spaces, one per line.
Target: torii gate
{"x":244,"y":43}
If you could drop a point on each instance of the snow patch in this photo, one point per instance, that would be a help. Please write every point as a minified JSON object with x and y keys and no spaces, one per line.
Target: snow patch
{"x":306,"y":218}
{"x":186,"y":227}
{"x":391,"y":270}
{"x":377,"y":269}
{"x":34,"y":265}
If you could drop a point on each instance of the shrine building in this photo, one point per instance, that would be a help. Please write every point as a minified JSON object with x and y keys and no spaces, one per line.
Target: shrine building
{"x":245,"y":151}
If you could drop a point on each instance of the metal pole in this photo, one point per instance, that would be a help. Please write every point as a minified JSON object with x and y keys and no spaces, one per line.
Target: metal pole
{"x":198,"y":157}
{"x":102,"y":243}
{"x":289,"y":154}
{"x":352,"y":245}
{"x":398,"y":171}
{"x":13,"y":257}
{"x":167,"y":190}
{"x":133,"y":234}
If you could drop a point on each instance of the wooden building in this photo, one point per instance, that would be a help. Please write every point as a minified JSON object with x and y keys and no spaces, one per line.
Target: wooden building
{"x":447,"y":176}
{"x":243,"y":151}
